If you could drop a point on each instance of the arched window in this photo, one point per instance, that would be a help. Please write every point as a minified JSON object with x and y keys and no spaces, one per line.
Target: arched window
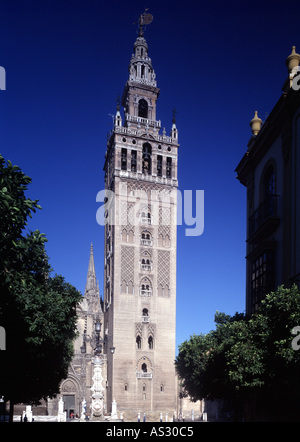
{"x":145,"y":315}
{"x":160,"y":240}
{"x":130,"y":288}
{"x":143,"y":108}
{"x":130,"y":236}
{"x":138,"y":342}
{"x":123,"y":287}
{"x":124,"y":235}
{"x":146,"y":239}
{"x":144,"y":368}
{"x":145,"y":260}
{"x":150,"y":343}
{"x":145,"y":287}
{"x":145,"y":218}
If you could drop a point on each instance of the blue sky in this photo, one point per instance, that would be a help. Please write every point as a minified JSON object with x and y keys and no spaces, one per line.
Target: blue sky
{"x":216,"y":62}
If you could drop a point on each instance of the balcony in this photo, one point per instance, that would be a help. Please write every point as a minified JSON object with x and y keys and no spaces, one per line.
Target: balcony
{"x":146,"y":242}
{"x":145,"y":220}
{"x":145,"y":293}
{"x":264,"y":220}
{"x":146,"y":121}
{"x":143,"y":375}
{"x":146,"y":267}
{"x":145,"y":319}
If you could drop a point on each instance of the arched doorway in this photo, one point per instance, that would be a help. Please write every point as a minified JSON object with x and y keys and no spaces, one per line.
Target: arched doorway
{"x":70,"y":398}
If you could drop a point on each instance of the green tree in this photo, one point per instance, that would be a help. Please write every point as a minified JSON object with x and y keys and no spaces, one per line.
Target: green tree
{"x":37,"y":311}
{"x":249,"y":361}
{"x":191,"y":364}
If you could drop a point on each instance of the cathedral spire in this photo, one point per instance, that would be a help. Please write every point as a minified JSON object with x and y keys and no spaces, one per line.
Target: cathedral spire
{"x":91,"y":281}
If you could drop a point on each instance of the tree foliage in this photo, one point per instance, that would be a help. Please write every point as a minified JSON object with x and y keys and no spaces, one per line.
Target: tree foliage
{"x":244,"y":357}
{"x":37,"y":311}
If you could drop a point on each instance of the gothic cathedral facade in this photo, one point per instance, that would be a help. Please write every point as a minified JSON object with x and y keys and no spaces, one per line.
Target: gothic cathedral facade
{"x":140,"y":249}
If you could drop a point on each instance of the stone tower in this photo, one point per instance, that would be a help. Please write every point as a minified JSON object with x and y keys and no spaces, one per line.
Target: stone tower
{"x":140,"y":249}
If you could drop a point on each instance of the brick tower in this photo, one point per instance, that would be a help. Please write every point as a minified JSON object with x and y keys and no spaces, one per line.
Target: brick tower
{"x":140,"y":248}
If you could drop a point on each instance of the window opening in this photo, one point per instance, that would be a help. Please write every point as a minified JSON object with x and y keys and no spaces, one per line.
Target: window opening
{"x":159,"y":165}
{"x":150,"y":343}
{"x":133,"y":161}
{"x":138,"y":342}
{"x":169,"y":167}
{"x":146,"y":159}
{"x":124,"y":159}
{"x":262,"y":277}
{"x":143,"y":108}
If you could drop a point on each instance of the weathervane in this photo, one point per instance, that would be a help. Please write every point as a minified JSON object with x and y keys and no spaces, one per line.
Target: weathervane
{"x":144,"y":19}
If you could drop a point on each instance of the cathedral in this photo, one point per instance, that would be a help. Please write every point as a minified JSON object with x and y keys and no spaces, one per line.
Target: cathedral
{"x":132,"y":329}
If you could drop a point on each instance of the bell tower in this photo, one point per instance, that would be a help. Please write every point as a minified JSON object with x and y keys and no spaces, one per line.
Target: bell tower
{"x":140,"y":247}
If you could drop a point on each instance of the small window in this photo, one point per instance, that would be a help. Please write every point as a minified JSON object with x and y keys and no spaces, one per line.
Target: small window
{"x":138,"y":342}
{"x":126,"y":387}
{"x":162,"y":388}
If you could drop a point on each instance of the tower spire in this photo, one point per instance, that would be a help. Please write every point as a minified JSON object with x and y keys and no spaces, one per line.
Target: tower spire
{"x":91,"y":281}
